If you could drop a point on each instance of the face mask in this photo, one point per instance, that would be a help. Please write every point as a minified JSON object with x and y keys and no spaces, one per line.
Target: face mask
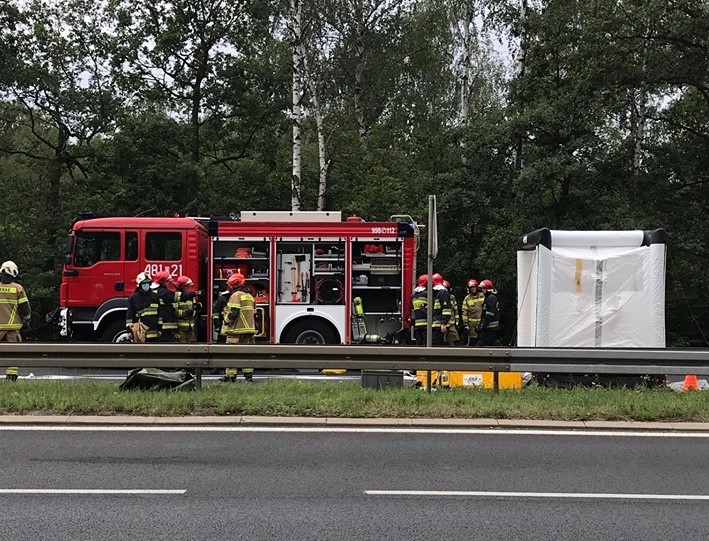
{"x":145,"y":287}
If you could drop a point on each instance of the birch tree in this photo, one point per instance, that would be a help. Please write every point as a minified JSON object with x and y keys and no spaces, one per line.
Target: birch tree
{"x":297,"y":45}
{"x":369,"y":53}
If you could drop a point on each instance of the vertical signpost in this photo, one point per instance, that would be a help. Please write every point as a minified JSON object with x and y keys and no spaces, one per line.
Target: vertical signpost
{"x":432,"y":253}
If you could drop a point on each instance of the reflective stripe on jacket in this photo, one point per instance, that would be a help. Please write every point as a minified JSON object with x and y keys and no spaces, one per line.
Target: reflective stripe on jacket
{"x":184,"y":310}
{"x":14,"y":307}
{"x":419,"y":307}
{"x":239,"y":313}
{"x":144,"y":308}
{"x":472,"y":309}
{"x":441,"y":306}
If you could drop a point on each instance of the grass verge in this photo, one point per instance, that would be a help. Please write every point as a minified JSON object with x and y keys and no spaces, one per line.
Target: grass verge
{"x":324,"y":400}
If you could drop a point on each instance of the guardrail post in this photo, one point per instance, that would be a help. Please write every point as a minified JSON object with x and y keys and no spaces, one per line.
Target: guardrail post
{"x":496,"y":381}
{"x":198,"y":377}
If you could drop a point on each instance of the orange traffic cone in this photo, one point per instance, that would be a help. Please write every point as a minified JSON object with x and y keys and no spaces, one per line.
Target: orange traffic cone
{"x":690,"y":382}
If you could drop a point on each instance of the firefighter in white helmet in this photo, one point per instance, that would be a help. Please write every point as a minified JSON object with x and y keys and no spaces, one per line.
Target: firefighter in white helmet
{"x":14,"y":310}
{"x":142,"y":314}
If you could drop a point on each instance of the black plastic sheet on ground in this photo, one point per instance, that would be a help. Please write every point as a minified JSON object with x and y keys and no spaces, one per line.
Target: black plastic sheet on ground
{"x":151,"y":379}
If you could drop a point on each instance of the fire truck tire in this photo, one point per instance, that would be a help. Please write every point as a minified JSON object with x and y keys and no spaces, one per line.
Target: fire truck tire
{"x":310,"y":332}
{"x":115,"y":332}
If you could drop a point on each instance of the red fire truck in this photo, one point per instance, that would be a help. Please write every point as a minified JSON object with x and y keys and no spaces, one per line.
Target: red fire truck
{"x":316,"y":278}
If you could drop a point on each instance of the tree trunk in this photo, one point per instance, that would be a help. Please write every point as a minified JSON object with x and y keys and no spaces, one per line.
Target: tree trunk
{"x":297,"y":112}
{"x":323,"y":161}
{"x":640,"y":120}
{"x":467,"y":19}
{"x":520,"y":67}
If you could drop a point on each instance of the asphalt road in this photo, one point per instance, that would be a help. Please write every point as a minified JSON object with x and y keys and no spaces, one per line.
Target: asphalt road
{"x":345,"y":484}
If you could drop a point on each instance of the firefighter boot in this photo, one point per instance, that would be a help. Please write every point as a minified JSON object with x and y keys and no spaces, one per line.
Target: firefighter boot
{"x":248,"y":375}
{"x":11,"y":373}
{"x":229,"y":376}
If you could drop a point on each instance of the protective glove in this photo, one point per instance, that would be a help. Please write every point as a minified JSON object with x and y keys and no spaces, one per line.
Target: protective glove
{"x":478,"y":327}
{"x":26,"y":326}
{"x":467,"y":329}
{"x":198,"y":293}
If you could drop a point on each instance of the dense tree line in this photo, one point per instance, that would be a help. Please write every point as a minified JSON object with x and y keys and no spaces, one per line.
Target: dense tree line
{"x":517,"y":114}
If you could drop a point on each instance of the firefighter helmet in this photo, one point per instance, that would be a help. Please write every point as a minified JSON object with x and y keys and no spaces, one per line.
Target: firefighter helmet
{"x":235,"y":280}
{"x":162,"y":278}
{"x":10,"y":268}
{"x":472,"y":284}
{"x":143,"y":277}
{"x":487,"y":284}
{"x":423,"y":280}
{"x":183,"y":281}
{"x":437,"y":279}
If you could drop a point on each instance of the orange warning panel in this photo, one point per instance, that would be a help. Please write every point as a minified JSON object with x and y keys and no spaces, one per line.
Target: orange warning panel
{"x":447,"y":378}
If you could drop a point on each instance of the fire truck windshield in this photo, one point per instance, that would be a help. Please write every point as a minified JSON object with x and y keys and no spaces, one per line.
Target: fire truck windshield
{"x":92,"y":247}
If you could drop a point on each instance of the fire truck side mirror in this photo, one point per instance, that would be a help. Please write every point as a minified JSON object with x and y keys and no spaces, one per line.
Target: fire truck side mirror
{"x":67,"y":259}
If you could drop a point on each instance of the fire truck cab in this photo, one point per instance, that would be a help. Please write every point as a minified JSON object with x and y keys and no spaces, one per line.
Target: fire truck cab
{"x":104,"y":256}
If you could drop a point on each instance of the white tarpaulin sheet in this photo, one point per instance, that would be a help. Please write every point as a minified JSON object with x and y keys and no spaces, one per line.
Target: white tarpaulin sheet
{"x":592,"y":289}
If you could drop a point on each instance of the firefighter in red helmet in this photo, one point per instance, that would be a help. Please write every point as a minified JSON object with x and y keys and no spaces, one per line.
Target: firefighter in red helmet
{"x":238,"y":320}
{"x":441,"y":310}
{"x":419,"y":310}
{"x":452,"y":338}
{"x":185,"y":309}
{"x":490,"y":320}
{"x":167,"y":318}
{"x":472,"y":309}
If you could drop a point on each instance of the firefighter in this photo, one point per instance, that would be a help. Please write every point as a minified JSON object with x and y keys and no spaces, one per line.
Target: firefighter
{"x":441,"y":310}
{"x":185,"y":309}
{"x":218,"y":313}
{"x":167,"y":318}
{"x":238,"y":320}
{"x":14,"y":310}
{"x":451,"y":337}
{"x":419,"y":310}
{"x":490,"y":319}
{"x":142,"y":314}
{"x":471,"y":311}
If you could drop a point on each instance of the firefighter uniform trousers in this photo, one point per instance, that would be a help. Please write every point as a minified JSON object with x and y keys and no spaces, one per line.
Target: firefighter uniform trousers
{"x":241,"y":328}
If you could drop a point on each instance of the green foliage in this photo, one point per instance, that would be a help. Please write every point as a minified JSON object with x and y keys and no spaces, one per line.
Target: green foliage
{"x":159,"y":107}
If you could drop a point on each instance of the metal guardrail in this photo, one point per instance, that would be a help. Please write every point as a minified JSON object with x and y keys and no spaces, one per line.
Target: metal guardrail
{"x":571,"y":360}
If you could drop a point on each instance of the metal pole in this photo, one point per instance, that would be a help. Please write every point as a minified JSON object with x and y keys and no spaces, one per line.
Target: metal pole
{"x":429,"y":286}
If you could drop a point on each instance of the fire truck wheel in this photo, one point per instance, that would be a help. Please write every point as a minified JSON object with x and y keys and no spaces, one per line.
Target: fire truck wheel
{"x":116,"y":332}
{"x":310,"y":332}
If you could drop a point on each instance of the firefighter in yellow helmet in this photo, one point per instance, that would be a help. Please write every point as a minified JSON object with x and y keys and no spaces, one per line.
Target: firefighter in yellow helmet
{"x":238,"y":320}
{"x":14,"y":310}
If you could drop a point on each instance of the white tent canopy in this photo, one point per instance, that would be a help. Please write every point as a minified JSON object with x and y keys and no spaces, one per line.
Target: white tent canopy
{"x":591,"y":289}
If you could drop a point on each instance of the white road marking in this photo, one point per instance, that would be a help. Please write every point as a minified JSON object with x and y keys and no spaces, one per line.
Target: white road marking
{"x":87,"y":491}
{"x":576,"y":495}
{"x":357,"y":430}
